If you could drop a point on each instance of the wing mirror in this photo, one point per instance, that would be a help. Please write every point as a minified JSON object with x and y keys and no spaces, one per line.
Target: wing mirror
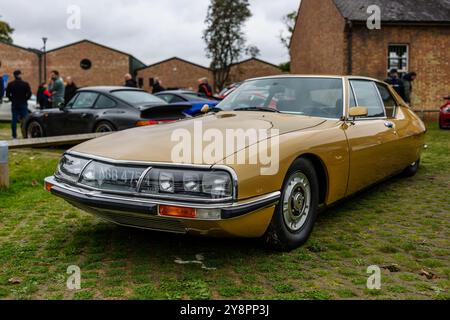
{"x":62,"y":106}
{"x":358,"y":112}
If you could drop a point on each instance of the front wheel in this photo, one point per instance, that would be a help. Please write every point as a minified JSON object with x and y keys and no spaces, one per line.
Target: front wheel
{"x":412,"y":169}
{"x":35,"y":130}
{"x":295,"y":215}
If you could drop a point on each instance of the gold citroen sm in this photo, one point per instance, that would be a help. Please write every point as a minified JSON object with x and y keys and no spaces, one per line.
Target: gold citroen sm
{"x":291,"y":145}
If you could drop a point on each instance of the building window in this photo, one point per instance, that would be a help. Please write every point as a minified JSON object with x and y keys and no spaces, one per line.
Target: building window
{"x":151,"y":82}
{"x":398,"y":57}
{"x":141,"y":82}
{"x":86,"y":64}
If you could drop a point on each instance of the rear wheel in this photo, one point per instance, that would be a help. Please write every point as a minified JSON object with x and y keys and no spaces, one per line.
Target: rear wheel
{"x":412,"y":169}
{"x":104,"y":126}
{"x":295,"y":215}
{"x":35,"y":130}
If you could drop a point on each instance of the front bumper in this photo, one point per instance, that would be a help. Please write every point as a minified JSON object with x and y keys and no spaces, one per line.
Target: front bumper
{"x":249,"y":218}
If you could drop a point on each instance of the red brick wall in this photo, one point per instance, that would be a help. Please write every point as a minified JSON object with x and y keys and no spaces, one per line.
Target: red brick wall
{"x":108,"y":66}
{"x":175,"y":73}
{"x":252,"y":69}
{"x":319,"y":43}
{"x":429,"y":56}
{"x":13,"y":58}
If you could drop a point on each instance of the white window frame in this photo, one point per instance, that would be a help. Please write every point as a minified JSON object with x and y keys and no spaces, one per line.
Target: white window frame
{"x":406,"y":68}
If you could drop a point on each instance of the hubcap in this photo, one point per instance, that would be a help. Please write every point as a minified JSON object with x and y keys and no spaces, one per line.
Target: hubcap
{"x":296,"y":202}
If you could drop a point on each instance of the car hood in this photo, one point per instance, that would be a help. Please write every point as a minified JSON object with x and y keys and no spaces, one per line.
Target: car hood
{"x":156,"y":143}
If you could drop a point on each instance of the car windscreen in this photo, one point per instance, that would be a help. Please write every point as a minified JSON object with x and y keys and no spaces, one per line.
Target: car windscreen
{"x":137,"y":97}
{"x":319,"y":97}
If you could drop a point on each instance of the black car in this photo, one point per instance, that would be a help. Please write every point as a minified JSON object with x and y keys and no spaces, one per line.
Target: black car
{"x":102,"y":109}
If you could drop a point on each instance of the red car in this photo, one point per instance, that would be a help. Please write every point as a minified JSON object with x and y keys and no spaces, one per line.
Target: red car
{"x":444,"y":116}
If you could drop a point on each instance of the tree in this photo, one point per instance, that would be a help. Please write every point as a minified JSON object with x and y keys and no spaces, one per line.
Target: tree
{"x":289,"y":21}
{"x":253,"y":51}
{"x":225,"y":41}
{"x":5,"y":32}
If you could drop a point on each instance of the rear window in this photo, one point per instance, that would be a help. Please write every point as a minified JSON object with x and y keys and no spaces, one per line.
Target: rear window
{"x":137,"y":97}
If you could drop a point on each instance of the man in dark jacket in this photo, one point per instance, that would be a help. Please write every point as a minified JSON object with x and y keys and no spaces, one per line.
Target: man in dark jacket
{"x":408,"y":80}
{"x":129,"y":81}
{"x":71,"y":89}
{"x":397,"y":83}
{"x":18,"y":92}
{"x":157,"y":86}
{"x":204,"y":88}
{"x":2,"y":89}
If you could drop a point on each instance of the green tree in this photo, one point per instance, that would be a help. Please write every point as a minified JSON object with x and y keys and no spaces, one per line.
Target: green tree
{"x":224,"y":37}
{"x":289,"y":21}
{"x":5,"y":32}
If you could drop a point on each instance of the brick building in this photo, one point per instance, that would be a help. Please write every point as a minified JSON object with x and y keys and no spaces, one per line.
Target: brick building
{"x":174,"y":73}
{"x":90,"y":63}
{"x":13,"y":57}
{"x":332,"y":37}
{"x":252,"y":68}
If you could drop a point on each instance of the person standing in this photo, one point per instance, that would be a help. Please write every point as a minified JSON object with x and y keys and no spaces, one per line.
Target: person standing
{"x":157,"y":86}
{"x":57,"y":89}
{"x":204,"y":88}
{"x":18,"y":92}
{"x":129,"y":81}
{"x":43,"y":96}
{"x":408,"y":80}
{"x":397,"y":83}
{"x":71,"y":89}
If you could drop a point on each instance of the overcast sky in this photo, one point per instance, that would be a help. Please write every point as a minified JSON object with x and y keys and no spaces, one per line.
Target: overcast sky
{"x":151,"y":30}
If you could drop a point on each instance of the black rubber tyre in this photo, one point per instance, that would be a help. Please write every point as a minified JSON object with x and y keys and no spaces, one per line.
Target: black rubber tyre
{"x":284,"y":233}
{"x":35,"y":130}
{"x":104,"y":126}
{"x":412,"y":169}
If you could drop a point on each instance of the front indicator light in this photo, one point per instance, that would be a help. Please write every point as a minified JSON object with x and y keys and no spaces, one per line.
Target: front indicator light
{"x":180,"y":212}
{"x":48,"y":186}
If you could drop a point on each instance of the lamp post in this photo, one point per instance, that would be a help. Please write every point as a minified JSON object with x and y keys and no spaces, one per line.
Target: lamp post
{"x":45,"y":58}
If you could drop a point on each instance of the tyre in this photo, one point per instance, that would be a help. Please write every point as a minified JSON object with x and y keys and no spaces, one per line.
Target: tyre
{"x":296,"y":213}
{"x":35,"y":130}
{"x":412,"y":169}
{"x":104,"y":126}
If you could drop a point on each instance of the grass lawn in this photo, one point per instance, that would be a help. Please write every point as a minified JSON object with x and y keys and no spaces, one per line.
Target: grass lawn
{"x":402,"y":222}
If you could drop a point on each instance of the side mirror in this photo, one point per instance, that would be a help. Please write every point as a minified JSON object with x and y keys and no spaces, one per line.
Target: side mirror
{"x":205,"y":109}
{"x":62,"y":106}
{"x":358,"y":112}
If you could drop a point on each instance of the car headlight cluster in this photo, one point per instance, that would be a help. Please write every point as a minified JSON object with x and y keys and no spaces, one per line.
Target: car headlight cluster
{"x":157,"y":181}
{"x":216,"y":184}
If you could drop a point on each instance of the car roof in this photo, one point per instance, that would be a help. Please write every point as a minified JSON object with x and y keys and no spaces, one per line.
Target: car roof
{"x":313,"y":76}
{"x":108,"y":89}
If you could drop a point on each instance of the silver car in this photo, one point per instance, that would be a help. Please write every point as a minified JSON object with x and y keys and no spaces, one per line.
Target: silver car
{"x":5,"y":108}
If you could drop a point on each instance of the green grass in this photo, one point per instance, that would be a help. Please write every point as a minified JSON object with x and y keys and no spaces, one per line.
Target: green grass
{"x":403,"y":222}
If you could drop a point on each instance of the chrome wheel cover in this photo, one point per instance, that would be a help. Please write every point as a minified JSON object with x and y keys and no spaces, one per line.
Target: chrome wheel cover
{"x":296,"y":202}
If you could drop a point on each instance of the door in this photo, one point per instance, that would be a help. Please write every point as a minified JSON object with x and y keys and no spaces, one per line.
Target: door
{"x":80,"y":115}
{"x":372,"y":140}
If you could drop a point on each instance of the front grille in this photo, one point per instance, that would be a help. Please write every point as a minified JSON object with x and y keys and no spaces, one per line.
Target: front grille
{"x":141,"y":221}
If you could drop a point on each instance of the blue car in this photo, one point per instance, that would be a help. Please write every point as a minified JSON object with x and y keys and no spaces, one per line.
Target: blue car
{"x":197,"y":101}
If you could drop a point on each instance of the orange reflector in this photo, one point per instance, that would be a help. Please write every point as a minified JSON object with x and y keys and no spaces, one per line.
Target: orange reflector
{"x":48,"y":186}
{"x":181,"y":212}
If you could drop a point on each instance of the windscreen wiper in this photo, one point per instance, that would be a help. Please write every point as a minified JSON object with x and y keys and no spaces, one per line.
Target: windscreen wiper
{"x":266,"y":109}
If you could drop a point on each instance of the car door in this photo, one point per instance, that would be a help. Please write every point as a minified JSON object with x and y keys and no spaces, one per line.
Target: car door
{"x":80,"y":115}
{"x":372,"y":140}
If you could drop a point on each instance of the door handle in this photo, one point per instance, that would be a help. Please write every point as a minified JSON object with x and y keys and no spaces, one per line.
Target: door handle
{"x":389,"y":124}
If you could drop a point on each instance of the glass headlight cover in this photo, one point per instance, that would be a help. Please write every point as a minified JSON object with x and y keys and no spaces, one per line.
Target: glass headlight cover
{"x":194,"y":183}
{"x":69,"y":167}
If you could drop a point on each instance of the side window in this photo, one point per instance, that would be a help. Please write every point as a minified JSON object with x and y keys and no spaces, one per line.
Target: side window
{"x":165,"y":97}
{"x":176,"y":99}
{"x":85,"y":100}
{"x":389,"y":102}
{"x":103,"y":102}
{"x":352,"y":99}
{"x":366,"y":95}
{"x":72,"y":101}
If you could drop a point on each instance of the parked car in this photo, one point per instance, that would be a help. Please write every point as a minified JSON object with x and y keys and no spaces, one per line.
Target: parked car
{"x":444,"y":115}
{"x":183,"y":97}
{"x":329,"y":137}
{"x":5,"y":108}
{"x":102,"y":109}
